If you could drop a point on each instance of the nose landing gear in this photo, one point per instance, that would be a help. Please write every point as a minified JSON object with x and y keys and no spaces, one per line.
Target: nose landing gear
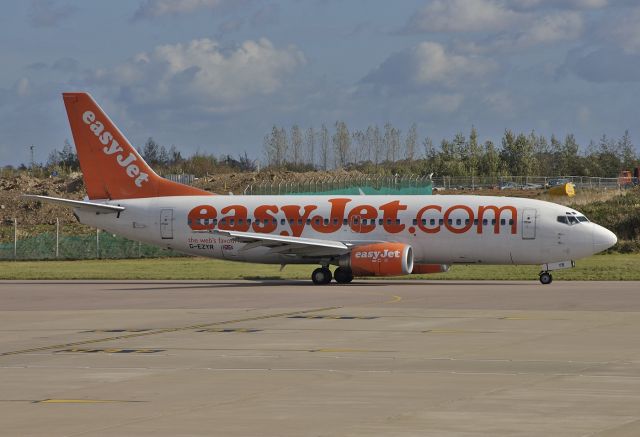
{"x":545,"y":278}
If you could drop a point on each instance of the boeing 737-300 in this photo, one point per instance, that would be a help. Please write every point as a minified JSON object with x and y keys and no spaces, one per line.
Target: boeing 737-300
{"x":363,"y":235}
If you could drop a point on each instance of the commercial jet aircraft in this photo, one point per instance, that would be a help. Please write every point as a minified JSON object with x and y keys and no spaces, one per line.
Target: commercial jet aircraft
{"x":361,"y":235}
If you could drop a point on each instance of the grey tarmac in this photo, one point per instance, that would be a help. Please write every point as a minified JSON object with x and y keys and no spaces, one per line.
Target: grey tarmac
{"x":286,"y":358}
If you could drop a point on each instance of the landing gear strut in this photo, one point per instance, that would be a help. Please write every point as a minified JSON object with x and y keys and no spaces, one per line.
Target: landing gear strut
{"x":545,"y":278}
{"x":343,"y":275}
{"x":321,"y":276}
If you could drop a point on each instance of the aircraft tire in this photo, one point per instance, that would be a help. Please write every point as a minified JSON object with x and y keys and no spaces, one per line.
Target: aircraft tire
{"x":343,"y":275}
{"x":321,"y":276}
{"x":546,"y":278}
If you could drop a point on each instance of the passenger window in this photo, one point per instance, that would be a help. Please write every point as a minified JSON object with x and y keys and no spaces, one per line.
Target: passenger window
{"x":450,"y":221}
{"x":335,"y":221}
{"x":345,"y":222}
{"x":485,"y":222}
{"x":397,"y":221}
{"x":415,"y":221}
{"x":458,"y":222}
{"x":326,"y":221}
{"x":503,"y":222}
{"x":432,"y":221}
{"x":441,"y":222}
{"x":364,"y":221}
{"x":510,"y":221}
{"x":308,"y":221}
{"x":317,"y":220}
{"x":424,"y":221}
{"x":493,"y":221}
{"x":475,"y":222}
{"x":380,"y":221}
{"x":282,"y":221}
{"x":466,"y":221}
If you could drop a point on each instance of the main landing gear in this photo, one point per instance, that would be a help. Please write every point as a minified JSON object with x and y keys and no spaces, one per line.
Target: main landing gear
{"x":323,"y":276}
{"x":545,"y":278}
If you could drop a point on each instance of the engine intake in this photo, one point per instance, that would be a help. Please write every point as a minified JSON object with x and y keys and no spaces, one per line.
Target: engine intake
{"x":379,"y":259}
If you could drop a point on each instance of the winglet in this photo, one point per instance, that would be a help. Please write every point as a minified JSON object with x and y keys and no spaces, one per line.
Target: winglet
{"x":111,"y":166}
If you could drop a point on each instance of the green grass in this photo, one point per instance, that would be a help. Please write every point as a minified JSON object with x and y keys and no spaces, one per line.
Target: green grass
{"x":600,"y":267}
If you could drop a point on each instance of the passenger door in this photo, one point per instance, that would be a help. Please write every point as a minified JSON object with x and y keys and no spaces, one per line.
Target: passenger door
{"x":529,"y":224}
{"x":166,"y":224}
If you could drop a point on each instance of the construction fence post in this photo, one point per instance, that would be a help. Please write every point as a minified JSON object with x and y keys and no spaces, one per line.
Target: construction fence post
{"x":15,"y":239}
{"x":57,"y":237}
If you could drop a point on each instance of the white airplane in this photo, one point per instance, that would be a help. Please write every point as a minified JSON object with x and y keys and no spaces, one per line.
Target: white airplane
{"x":362,"y":235}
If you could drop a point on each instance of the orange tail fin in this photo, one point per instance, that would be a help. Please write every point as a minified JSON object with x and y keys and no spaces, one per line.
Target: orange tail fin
{"x":111,"y":167}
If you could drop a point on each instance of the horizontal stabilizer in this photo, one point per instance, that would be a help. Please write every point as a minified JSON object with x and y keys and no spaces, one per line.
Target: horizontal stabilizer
{"x":78,"y":204}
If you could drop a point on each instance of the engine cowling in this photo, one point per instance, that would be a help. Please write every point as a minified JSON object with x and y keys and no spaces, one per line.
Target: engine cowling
{"x":429,"y":268}
{"x":379,"y":259}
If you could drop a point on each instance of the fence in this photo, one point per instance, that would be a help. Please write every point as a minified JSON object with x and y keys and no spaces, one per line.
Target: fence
{"x":63,"y":242}
{"x":522,"y":182}
{"x":346,"y":185}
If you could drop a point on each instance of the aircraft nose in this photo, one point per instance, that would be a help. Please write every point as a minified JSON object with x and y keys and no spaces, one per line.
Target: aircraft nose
{"x":603,"y":238}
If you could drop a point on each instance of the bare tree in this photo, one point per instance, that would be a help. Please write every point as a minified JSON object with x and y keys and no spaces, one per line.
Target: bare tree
{"x":410,"y":142}
{"x":341,"y":144}
{"x":360,"y":149}
{"x":310,"y":143}
{"x":324,"y":147}
{"x":296,"y":144}
{"x":374,"y":144}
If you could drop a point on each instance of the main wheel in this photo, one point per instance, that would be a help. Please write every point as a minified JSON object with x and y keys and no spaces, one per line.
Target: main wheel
{"x":321,"y":276}
{"x":343,"y":275}
{"x":546,"y":278}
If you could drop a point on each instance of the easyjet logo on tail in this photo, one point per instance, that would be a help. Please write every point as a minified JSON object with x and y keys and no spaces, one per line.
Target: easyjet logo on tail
{"x":112,"y":147}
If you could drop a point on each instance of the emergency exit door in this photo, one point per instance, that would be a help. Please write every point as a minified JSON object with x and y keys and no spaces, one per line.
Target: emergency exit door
{"x":166,"y":224}
{"x":529,"y":224}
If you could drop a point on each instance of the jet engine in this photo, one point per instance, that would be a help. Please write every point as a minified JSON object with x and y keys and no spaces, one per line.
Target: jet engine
{"x":379,"y":259}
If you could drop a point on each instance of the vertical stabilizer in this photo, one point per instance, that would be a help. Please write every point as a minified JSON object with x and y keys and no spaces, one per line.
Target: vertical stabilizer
{"x":111,"y":166}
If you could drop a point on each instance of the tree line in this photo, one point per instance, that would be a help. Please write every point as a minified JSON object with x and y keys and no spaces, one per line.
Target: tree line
{"x":388,"y":150}
{"x":385,"y":149}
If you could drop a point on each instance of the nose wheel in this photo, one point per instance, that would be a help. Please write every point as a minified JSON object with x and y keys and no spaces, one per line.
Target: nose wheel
{"x":546,"y":278}
{"x":321,"y":276}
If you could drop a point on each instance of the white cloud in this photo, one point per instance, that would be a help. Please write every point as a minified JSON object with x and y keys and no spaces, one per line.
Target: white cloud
{"x":463,"y":16}
{"x":501,"y":103}
{"x":434,"y":64}
{"x":47,"y":13}
{"x":560,"y":26}
{"x":572,"y":4}
{"x":626,"y":32}
{"x":158,"y":8}
{"x":23,"y":87}
{"x":428,"y":64}
{"x":203,"y":71}
{"x":443,"y":103}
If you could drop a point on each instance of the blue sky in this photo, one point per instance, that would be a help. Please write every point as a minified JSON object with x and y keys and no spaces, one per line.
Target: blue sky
{"x":215,"y":75}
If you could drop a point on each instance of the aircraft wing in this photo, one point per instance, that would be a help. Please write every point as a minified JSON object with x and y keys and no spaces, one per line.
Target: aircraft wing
{"x":289,"y":245}
{"x":101,"y":208}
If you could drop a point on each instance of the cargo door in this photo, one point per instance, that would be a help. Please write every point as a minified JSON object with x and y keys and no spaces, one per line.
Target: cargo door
{"x":529,"y":224}
{"x":166,"y":224}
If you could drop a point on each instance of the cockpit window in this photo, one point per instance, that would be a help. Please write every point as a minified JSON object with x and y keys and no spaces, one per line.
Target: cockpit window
{"x":572,"y":219}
